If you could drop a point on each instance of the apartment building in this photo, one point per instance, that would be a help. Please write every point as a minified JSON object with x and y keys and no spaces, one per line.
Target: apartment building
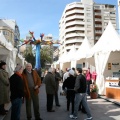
{"x":10,"y":30}
{"x":85,"y":18}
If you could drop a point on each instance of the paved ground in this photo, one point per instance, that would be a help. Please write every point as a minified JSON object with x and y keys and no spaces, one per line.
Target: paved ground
{"x":101,"y":109}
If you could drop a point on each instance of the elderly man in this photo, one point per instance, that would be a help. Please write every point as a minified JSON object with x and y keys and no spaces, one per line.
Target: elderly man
{"x":49,"y":81}
{"x":32,"y":84}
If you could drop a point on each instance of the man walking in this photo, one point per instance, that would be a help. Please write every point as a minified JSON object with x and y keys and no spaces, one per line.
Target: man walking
{"x":32,"y":84}
{"x":80,"y":89}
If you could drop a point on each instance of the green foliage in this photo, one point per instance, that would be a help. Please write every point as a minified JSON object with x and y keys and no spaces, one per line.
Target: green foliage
{"x":29,"y":55}
{"x":94,"y":88}
{"x":46,"y":55}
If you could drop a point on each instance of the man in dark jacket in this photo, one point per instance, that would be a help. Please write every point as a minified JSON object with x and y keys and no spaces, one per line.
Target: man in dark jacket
{"x":80,"y":89}
{"x":49,"y":81}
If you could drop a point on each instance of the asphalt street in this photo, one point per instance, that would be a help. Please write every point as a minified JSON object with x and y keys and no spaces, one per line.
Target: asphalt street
{"x":100,"y":109}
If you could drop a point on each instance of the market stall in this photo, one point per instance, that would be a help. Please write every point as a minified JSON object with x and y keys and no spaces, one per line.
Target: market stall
{"x":105,"y":51}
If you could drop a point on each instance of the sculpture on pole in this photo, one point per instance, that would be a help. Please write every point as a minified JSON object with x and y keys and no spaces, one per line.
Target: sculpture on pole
{"x":38,"y":43}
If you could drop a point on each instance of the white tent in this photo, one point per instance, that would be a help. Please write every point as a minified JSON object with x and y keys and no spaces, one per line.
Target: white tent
{"x":70,"y":56}
{"x":80,"y":55}
{"x":108,"y":42}
{"x":83,"y":49}
{"x":70,"y":60}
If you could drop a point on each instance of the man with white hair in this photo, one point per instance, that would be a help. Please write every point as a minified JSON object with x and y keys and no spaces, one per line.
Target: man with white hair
{"x":32,"y":84}
{"x":49,"y":81}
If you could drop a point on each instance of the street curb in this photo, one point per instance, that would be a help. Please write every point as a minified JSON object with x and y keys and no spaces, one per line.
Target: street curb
{"x":109,"y":100}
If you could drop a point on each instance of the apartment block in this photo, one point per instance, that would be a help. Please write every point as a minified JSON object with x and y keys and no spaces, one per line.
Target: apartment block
{"x":85,"y":18}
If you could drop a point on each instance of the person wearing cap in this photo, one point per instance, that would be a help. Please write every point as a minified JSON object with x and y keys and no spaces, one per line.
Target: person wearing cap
{"x":32,"y":83}
{"x":4,"y":87}
{"x":17,"y":92}
{"x":50,"y":87}
{"x":69,"y":84}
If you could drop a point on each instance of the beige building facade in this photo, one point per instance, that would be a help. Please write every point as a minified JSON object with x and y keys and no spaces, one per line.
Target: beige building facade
{"x":85,"y":18}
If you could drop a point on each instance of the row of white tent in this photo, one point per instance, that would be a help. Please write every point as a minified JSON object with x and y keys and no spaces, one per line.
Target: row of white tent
{"x":9,"y":54}
{"x":106,"y":50}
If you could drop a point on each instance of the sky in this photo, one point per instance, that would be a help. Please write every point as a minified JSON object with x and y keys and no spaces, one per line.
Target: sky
{"x":39,"y":16}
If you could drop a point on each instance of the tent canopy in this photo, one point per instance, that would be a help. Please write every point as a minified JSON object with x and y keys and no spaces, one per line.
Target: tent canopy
{"x":70,"y":55}
{"x":83,"y":49}
{"x":109,"y":41}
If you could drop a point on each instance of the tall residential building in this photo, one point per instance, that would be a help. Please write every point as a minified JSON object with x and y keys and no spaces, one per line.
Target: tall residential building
{"x":85,"y":18}
{"x":118,"y":4}
{"x":10,"y":30}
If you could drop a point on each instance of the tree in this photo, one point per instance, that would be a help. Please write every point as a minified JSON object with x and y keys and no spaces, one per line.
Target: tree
{"x":30,"y":55}
{"x":46,"y":55}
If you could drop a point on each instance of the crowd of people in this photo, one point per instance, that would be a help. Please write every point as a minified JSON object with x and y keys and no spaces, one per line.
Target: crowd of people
{"x":24,"y":86}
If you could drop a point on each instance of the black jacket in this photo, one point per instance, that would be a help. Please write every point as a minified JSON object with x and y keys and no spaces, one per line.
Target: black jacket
{"x":69,"y":83}
{"x":80,"y":84}
{"x":16,"y":87}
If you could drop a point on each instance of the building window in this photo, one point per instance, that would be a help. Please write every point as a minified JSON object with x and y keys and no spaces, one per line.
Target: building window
{"x":88,"y":26}
{"x":88,"y":9}
{"x":88,"y":20}
{"x":88,"y":32}
{"x":3,"y":32}
{"x":88,"y":14}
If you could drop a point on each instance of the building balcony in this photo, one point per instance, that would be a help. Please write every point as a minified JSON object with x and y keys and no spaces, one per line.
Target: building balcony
{"x":113,"y":15}
{"x":98,"y":25}
{"x":73,"y":41}
{"x":74,"y":5}
{"x":97,"y":19}
{"x":74,"y":29}
{"x":74,"y":11}
{"x":74,"y":23}
{"x":98,"y":14}
{"x":74,"y":17}
{"x":74,"y":35}
{"x":98,"y":31}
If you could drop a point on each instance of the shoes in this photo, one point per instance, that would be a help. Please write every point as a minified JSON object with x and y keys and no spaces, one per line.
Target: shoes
{"x":58,"y":105}
{"x":51,"y":110}
{"x":73,"y":117}
{"x":90,"y":118}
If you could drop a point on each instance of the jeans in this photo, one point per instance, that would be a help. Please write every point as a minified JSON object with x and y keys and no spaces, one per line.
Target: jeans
{"x":81,"y":97}
{"x":15,"y":110}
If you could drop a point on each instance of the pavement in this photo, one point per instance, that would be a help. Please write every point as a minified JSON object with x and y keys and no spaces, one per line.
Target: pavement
{"x":101,"y":109}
